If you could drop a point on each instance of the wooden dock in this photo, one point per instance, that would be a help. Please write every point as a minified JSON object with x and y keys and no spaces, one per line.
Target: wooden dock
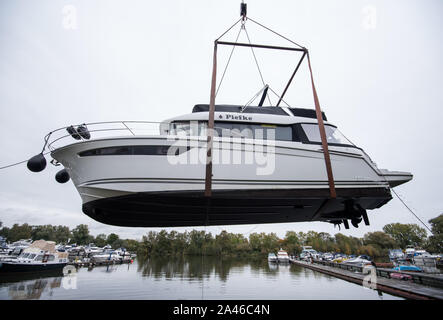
{"x":402,"y":288}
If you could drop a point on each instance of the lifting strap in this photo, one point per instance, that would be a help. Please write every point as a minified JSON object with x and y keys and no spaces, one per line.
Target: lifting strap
{"x":324,"y":142}
{"x":208,"y":178}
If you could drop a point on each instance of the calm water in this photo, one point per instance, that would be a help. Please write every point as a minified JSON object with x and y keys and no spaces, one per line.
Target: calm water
{"x":186,"y":278}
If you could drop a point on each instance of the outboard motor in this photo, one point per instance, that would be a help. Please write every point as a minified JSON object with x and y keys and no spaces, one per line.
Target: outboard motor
{"x":83,"y":132}
{"x":62,"y":176}
{"x":71,"y":130}
{"x":37,"y":163}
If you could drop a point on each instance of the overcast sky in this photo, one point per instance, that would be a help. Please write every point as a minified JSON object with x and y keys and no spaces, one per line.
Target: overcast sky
{"x":377,"y":67}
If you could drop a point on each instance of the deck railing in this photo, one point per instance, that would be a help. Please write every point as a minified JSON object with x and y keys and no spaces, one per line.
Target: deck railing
{"x":99,"y":130}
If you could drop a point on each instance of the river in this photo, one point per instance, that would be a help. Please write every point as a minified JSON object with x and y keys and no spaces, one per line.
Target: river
{"x":189,"y":278}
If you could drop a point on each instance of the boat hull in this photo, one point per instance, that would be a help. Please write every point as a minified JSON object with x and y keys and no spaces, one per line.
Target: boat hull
{"x":7,"y":267}
{"x":163,"y":209}
{"x":156,"y":190}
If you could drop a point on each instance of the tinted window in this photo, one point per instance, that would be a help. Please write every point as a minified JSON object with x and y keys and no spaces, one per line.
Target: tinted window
{"x":253,"y":131}
{"x":333,"y":135}
{"x":131,"y":150}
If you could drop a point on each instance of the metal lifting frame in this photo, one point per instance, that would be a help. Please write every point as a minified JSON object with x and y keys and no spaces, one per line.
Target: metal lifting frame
{"x":208,"y":179}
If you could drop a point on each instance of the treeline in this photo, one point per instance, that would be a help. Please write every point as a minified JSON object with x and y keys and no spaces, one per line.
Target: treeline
{"x":375,"y":244}
{"x":63,"y":235}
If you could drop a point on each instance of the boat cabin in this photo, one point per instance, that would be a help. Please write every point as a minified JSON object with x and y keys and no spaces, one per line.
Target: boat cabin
{"x":267,"y":123}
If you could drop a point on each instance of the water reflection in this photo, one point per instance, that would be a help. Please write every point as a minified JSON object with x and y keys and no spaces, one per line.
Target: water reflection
{"x":188,"y":267}
{"x":189,"y":277}
{"x":31,"y":286}
{"x":198,"y":268}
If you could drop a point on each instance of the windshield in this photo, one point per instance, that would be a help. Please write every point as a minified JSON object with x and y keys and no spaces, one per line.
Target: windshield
{"x":333,"y":135}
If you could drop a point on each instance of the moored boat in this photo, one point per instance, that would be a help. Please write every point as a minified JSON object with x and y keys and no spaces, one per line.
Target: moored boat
{"x":272,"y":257}
{"x":282,"y":256}
{"x":41,"y":255}
{"x":361,"y":260}
{"x":407,"y":268}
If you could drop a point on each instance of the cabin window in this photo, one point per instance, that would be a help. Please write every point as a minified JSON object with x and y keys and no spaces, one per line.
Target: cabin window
{"x":333,"y":135}
{"x":51,"y":257}
{"x":187,"y":128}
{"x":39,"y":257}
{"x":233,"y":129}
{"x":253,"y":131}
{"x":130,"y":150}
{"x":31,"y":256}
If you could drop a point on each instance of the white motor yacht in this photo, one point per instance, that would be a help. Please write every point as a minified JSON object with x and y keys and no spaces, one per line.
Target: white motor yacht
{"x":282,"y":256}
{"x":268,"y":166}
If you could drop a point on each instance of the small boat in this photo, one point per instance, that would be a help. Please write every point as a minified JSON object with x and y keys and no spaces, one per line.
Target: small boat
{"x":339,"y":258}
{"x":17,"y":247}
{"x":106,"y":256}
{"x":407,"y":268}
{"x":409,"y":252}
{"x":396,"y":254}
{"x":272,"y":257}
{"x":282,"y":256}
{"x":308,"y":252}
{"x":41,"y":255}
{"x":400,"y":276}
{"x":92,"y":249}
{"x":327,"y":256}
{"x":359,"y":261}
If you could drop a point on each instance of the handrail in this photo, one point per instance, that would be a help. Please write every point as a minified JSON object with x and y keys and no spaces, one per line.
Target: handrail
{"x":56,"y":135}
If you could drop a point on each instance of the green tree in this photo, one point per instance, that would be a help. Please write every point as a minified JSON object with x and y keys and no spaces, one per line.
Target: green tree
{"x":4,"y":232}
{"x":379,"y":239}
{"x":113,"y":240}
{"x":18,"y":232}
{"x":270,"y":243}
{"x":292,"y":243}
{"x":62,"y":234}
{"x":100,"y":240}
{"x":406,"y":234}
{"x":81,"y":236}
{"x":435,"y":241}
{"x":255,"y":242}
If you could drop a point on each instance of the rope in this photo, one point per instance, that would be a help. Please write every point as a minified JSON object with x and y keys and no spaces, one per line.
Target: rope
{"x":279,"y":97}
{"x":17,"y":163}
{"x":227,"y":64}
{"x":228,"y":29}
{"x":410,"y":210}
{"x":256,"y":62}
{"x":278,"y":34}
